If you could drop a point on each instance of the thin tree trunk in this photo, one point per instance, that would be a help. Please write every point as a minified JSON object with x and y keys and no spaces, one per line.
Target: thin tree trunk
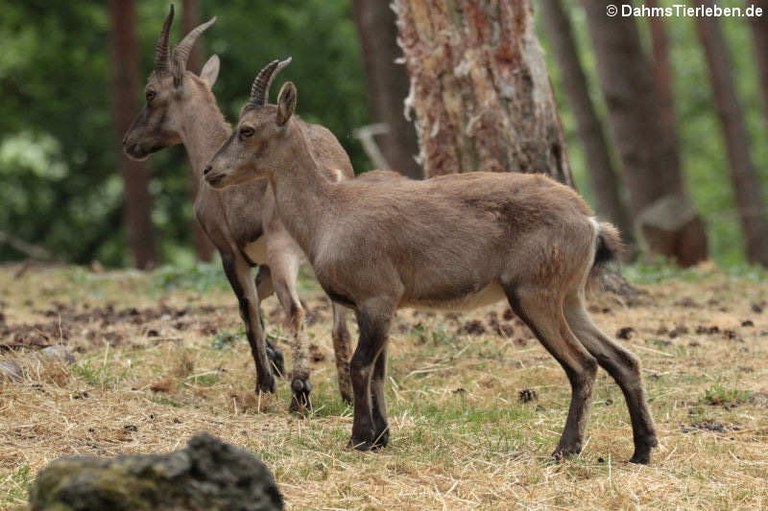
{"x":125,"y":83}
{"x":480,"y":88}
{"x":760,"y":39}
{"x":190,"y":18}
{"x":662,"y":73}
{"x":603,"y":177}
{"x":744,"y":179}
{"x":668,"y":220}
{"x":387,"y":84}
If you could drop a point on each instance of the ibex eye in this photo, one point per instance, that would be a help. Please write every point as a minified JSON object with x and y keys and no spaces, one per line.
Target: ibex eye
{"x":246,"y":132}
{"x":150,"y":95}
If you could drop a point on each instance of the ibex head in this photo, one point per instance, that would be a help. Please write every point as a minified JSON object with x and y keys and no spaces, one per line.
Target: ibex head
{"x":255,"y":148}
{"x":158,"y":124}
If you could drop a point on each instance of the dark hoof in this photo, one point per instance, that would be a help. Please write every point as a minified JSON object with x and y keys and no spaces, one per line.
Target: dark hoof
{"x":363,"y":445}
{"x":642,"y":455}
{"x":563,"y":452}
{"x":266,"y":385}
{"x":381,"y":439}
{"x":301,"y":401}
{"x":276,"y":359}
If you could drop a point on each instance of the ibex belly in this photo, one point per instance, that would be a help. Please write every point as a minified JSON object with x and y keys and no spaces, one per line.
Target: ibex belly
{"x":486,"y":296}
{"x":257,"y":250}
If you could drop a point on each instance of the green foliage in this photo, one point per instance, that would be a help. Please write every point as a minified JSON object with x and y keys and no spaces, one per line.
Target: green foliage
{"x":225,"y":340}
{"x":718,"y":395}
{"x":59,"y":151}
{"x":192,"y":276}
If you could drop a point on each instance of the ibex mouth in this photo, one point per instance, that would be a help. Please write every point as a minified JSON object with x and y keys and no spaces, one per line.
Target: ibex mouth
{"x":135,"y":152}
{"x":215,"y":180}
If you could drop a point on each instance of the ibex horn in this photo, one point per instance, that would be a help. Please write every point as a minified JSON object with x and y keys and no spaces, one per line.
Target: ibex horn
{"x":260,"y":87}
{"x":162,"y":53}
{"x":182,"y":51}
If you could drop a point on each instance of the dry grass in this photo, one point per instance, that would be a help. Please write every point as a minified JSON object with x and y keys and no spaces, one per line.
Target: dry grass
{"x":146,"y":380}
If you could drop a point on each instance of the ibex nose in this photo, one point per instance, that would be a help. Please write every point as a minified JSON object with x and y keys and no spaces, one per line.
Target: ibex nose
{"x":207,"y":170}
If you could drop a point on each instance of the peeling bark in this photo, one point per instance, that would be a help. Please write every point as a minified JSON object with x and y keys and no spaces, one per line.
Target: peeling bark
{"x":480,"y":88}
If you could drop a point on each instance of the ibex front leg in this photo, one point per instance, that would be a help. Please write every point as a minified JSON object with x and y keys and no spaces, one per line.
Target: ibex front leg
{"x":238,"y":273}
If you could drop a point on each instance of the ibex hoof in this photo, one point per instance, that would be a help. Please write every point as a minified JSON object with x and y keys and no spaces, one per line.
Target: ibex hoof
{"x":379,"y":441}
{"x":642,"y":455}
{"x":566,"y":451}
{"x":301,"y":401}
{"x":266,"y":385}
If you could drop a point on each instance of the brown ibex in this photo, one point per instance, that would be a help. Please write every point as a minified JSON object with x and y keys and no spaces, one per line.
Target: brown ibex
{"x":452,"y":242}
{"x":241,"y":222}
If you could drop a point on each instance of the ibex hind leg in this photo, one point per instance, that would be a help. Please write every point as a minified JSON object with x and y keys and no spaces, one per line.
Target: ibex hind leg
{"x":342,"y":347}
{"x":541,"y":310}
{"x":623,"y":366}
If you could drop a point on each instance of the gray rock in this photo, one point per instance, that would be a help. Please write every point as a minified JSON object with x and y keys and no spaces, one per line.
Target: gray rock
{"x":10,"y":370}
{"x":206,"y":475}
{"x":60,"y":353}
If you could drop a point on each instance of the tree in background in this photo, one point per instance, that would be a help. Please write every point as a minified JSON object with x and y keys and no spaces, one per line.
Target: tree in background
{"x":604,"y":179}
{"x":662,"y":73}
{"x":480,"y":88}
{"x":744,"y":179}
{"x":387,"y":84}
{"x":190,"y":18}
{"x":125,"y":84}
{"x":668,"y":219}
{"x":759,"y":26}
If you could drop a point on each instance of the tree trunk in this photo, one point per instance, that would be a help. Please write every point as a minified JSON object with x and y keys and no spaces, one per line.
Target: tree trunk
{"x":662,"y":73}
{"x":668,"y":220}
{"x":480,"y":88}
{"x":190,"y":18}
{"x":125,"y":83}
{"x":744,"y":179}
{"x":603,"y":177}
{"x":760,"y":39}
{"x":387,"y":85}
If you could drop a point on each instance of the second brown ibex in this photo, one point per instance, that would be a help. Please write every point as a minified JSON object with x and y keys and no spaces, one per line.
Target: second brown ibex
{"x":241,"y":222}
{"x":452,"y":242}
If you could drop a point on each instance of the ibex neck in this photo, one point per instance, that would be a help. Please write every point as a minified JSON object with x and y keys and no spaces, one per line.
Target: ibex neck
{"x":303,"y":197}
{"x":203,"y":131}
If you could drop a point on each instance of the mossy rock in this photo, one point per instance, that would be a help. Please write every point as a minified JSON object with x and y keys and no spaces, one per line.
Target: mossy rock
{"x":206,"y":475}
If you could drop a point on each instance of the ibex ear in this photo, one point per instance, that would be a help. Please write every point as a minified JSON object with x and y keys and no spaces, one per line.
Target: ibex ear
{"x":210,"y":71}
{"x":286,"y":102}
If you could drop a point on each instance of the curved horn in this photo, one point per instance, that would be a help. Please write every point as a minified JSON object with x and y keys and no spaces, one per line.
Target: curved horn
{"x":184,"y":48}
{"x":260,"y":87}
{"x":162,"y":53}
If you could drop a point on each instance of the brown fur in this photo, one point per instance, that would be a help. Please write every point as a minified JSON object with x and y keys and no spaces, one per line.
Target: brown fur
{"x":451,"y":242}
{"x":187,"y":113}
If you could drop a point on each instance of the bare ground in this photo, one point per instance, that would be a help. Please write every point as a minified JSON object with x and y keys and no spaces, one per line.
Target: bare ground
{"x":476,"y":404}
